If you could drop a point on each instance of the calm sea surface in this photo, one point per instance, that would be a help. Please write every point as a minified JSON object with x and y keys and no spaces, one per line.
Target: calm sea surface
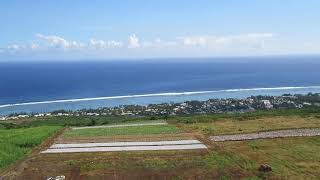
{"x":23,"y":82}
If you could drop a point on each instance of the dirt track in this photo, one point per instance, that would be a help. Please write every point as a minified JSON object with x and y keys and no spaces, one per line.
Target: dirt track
{"x":270,"y":134}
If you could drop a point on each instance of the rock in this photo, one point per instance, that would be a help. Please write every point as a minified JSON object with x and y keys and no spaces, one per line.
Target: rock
{"x":265,"y":168}
{"x":62,"y":177}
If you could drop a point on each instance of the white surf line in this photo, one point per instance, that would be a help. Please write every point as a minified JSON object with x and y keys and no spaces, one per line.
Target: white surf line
{"x":269,"y":134}
{"x":120,"y":125}
{"x":127,"y":148}
{"x":122,"y":144}
{"x":154,"y":95}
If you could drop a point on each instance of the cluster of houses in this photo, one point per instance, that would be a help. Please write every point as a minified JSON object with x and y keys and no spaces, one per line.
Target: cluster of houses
{"x":191,"y":107}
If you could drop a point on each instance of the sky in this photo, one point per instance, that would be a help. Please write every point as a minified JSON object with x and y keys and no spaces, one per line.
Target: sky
{"x":112,"y":29}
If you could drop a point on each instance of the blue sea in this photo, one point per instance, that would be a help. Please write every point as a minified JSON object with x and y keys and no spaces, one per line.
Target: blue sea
{"x":43,"y":86}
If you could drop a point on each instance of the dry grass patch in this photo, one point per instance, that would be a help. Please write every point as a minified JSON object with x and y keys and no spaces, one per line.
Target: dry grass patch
{"x":290,"y":158}
{"x":230,"y":126}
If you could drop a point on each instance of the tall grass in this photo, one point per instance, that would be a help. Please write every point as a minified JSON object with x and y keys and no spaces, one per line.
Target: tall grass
{"x":17,"y":143}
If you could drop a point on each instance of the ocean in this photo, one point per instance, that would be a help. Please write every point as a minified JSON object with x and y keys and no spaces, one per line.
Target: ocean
{"x":43,"y":86}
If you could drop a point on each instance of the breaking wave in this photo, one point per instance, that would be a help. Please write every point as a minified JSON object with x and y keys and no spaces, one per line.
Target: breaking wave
{"x":157,"y":94}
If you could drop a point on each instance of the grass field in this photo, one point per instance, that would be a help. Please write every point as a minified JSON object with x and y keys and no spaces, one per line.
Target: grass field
{"x":287,"y":113}
{"x":17,"y":143}
{"x":135,"y":130}
{"x":290,"y":158}
{"x":231,"y":126}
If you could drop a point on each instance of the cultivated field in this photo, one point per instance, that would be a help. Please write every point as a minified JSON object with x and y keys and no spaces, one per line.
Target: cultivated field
{"x":17,"y":143}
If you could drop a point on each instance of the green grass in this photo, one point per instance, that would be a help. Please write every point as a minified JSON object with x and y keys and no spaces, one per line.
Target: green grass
{"x":231,"y":126}
{"x":303,"y":112}
{"x":188,"y":119}
{"x":73,"y":121}
{"x":138,"y":121}
{"x":17,"y":143}
{"x":135,"y":130}
{"x":181,"y":164}
{"x":290,"y":158}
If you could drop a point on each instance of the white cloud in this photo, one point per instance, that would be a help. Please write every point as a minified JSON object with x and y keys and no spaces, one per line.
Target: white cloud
{"x":101,"y":44}
{"x":115,"y":44}
{"x":133,"y":41}
{"x":159,"y":43}
{"x":229,"y":40}
{"x":204,"y":45}
{"x":98,"y":44}
{"x":194,"y":40}
{"x":245,"y":38}
{"x":14,"y":47}
{"x":59,"y":42}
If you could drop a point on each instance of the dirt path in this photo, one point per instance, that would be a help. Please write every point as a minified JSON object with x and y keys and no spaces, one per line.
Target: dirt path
{"x":269,"y":134}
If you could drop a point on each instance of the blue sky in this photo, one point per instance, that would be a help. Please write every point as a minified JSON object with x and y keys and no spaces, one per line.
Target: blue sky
{"x":110,"y":29}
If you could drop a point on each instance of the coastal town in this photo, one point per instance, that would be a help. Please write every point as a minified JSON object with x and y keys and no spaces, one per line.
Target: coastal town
{"x":230,"y":105}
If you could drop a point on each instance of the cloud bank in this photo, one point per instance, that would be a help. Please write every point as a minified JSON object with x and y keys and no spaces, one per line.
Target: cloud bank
{"x":179,"y":46}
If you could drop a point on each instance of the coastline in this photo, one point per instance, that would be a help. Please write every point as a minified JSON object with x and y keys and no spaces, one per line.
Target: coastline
{"x":158,"y":94}
{"x":146,"y":99}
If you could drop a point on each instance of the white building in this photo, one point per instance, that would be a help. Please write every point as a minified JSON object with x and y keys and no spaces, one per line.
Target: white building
{"x":3,"y":118}
{"x":267,"y":104}
{"x":39,"y":115}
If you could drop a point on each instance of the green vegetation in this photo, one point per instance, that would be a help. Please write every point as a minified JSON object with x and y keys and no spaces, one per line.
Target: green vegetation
{"x":187,"y":119}
{"x":290,"y":158}
{"x":303,"y":112}
{"x":232,"y":126}
{"x":17,"y":143}
{"x":76,"y":121}
{"x":134,"y":130}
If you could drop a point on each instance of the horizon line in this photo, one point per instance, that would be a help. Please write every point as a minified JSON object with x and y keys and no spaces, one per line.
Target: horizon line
{"x":158,"y":58}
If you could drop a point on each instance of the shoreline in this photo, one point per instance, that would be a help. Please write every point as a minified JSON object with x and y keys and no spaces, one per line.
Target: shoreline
{"x":157,"y":95}
{"x":186,"y":106}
